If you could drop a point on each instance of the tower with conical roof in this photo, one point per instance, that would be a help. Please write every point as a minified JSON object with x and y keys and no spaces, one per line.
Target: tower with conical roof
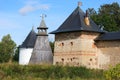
{"x":74,"y":41}
{"x":42,"y":53}
{"x":25,"y":50}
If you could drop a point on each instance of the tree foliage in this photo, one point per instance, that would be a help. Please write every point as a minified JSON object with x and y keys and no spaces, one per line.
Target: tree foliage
{"x":7,"y":48}
{"x":52,"y":46}
{"x":16,"y":55}
{"x":108,"y":16}
{"x":113,"y":73}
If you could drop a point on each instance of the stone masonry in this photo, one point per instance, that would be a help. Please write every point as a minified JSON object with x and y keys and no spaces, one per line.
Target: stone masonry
{"x":76,"y":48}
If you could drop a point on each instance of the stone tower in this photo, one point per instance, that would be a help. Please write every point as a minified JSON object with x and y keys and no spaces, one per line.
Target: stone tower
{"x":42,"y":53}
{"x":74,"y":41}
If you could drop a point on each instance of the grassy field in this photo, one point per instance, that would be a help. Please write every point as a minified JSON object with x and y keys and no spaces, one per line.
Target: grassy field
{"x":48,"y":72}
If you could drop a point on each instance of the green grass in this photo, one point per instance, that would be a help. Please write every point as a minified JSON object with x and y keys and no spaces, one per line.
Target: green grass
{"x":48,"y":72}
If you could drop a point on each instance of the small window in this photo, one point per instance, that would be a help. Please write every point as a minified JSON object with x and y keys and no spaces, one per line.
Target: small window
{"x":62,"y":44}
{"x":90,"y":59}
{"x":71,"y":59}
{"x":71,"y":43}
{"x":62,"y":60}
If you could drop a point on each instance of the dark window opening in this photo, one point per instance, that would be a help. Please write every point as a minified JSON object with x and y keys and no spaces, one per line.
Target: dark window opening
{"x":71,"y":43}
{"x":62,"y":44}
{"x":90,"y":59}
{"x":71,"y":59}
{"x":57,"y":63}
{"x":62,"y":60}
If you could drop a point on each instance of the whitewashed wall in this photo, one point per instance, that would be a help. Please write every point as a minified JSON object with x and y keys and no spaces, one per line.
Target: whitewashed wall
{"x":25,"y":55}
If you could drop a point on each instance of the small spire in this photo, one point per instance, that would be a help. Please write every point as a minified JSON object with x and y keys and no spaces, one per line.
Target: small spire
{"x":79,"y":4}
{"x":33,"y":27}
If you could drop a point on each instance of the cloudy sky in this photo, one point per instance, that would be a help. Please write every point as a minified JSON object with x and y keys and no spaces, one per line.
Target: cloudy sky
{"x":18,"y":16}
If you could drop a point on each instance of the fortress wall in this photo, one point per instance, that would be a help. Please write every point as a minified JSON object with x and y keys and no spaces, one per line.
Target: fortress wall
{"x":109,"y":53}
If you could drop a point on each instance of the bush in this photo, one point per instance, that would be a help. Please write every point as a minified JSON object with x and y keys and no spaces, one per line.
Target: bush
{"x":113,"y":73}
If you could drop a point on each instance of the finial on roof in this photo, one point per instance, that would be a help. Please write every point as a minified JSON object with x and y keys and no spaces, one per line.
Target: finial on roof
{"x":43,"y":16}
{"x":33,"y":27}
{"x":79,"y":4}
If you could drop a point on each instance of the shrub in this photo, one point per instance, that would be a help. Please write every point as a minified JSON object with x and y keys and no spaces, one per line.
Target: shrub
{"x":113,"y":73}
{"x":48,"y":72}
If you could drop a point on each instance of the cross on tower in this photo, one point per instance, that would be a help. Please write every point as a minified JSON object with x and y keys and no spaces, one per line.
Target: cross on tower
{"x":43,"y":16}
{"x":79,"y":4}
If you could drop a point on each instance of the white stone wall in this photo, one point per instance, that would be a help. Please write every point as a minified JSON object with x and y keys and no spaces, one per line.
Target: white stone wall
{"x":25,"y":55}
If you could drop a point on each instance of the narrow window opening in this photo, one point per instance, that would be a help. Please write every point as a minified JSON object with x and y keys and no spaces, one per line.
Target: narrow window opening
{"x":62,"y":60}
{"x":62,"y":44}
{"x":71,"y":43}
{"x":71,"y":59}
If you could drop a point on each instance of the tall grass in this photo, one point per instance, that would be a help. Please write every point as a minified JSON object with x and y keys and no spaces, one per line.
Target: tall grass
{"x":48,"y":72}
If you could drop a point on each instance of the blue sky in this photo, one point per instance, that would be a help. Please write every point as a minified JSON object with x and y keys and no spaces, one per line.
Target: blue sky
{"x":18,"y":16}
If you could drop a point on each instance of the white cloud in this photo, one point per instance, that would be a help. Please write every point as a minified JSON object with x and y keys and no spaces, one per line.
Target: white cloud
{"x":26,"y":9}
{"x":31,"y":6}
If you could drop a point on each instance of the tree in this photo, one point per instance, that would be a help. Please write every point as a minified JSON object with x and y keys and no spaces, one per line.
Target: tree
{"x":52,"y":46}
{"x":7,"y":49}
{"x":92,"y":11}
{"x":16,"y":55}
{"x":108,"y":16}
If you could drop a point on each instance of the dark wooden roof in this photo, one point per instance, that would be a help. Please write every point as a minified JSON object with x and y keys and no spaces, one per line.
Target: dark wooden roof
{"x":109,"y":36}
{"x":75,"y":22}
{"x":29,"y":42}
